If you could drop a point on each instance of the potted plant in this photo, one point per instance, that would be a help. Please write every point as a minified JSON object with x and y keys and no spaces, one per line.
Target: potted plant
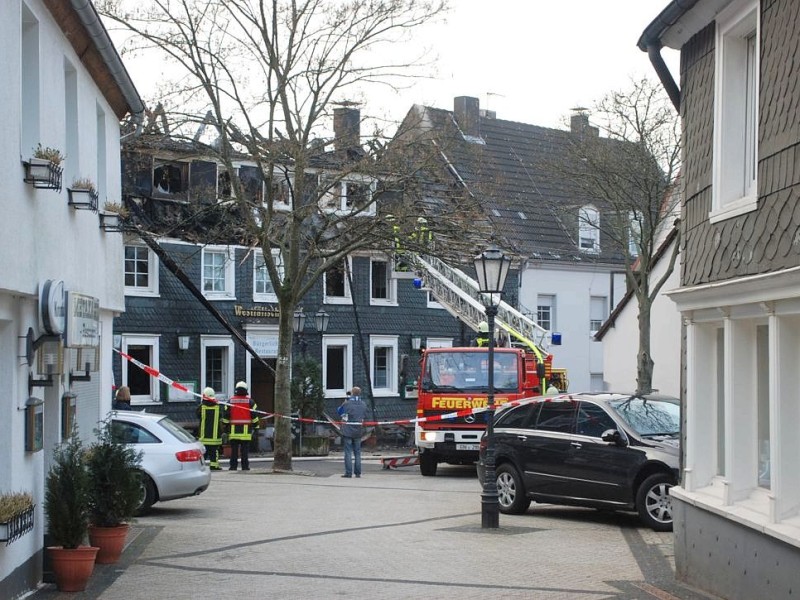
{"x":83,"y":194}
{"x":16,"y":515}
{"x":308,"y":400}
{"x":114,"y":492}
{"x":112,"y":216}
{"x":66,"y":505}
{"x":44,"y":169}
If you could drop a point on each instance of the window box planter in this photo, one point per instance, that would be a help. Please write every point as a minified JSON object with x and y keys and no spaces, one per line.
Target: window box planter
{"x":83,"y":198}
{"x":17,"y":525}
{"x":43,"y":174}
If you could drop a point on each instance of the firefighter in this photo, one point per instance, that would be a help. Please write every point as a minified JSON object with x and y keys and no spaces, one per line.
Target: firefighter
{"x":210,"y":427}
{"x":483,"y":334}
{"x":242,"y":422}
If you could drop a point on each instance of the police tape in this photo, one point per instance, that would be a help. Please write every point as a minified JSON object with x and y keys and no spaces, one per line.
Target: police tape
{"x":155,"y":373}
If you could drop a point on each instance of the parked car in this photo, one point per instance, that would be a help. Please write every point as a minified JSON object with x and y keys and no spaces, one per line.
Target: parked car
{"x":172,"y":459}
{"x":607,"y":451}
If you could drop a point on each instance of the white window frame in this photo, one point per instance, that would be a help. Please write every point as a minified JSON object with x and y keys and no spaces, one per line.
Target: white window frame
{"x":218,"y":341}
{"x":151,"y":289}
{"x":390,"y":342}
{"x":229,"y":293}
{"x":279,"y":175}
{"x":594,"y":301}
{"x":431,"y":303}
{"x":736,"y":81}
{"x":634,"y":233}
{"x":589,"y":228}
{"x":334,"y":199}
{"x":348,"y":296}
{"x":548,"y":300}
{"x":391,"y":283}
{"x":155,"y":385}
{"x":438,"y":343}
{"x":338,"y":340}
{"x":258,"y":256}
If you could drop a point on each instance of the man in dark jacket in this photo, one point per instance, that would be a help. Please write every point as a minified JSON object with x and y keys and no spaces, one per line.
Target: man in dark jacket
{"x":210,"y":434}
{"x":242,"y":420}
{"x":352,"y":412}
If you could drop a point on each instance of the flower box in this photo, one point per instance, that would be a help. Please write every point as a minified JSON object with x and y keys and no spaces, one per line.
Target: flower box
{"x":43,"y":174}
{"x":83,"y":198}
{"x":17,"y":526}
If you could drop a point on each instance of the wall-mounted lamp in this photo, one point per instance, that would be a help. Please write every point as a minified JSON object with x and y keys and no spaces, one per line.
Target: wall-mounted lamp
{"x":34,"y":424}
{"x":321,"y":320}
{"x":183,"y":342}
{"x":117,"y":341}
{"x":416,"y":342}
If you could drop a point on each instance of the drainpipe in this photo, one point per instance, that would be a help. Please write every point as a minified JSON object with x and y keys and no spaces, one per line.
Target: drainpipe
{"x":664,"y":75}
{"x":91,"y":21}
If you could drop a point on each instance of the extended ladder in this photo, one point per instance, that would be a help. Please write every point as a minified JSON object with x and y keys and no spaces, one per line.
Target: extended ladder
{"x":460,"y":296}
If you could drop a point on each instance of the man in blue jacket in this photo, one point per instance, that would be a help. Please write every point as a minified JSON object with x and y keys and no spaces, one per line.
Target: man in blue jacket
{"x":352,"y":412}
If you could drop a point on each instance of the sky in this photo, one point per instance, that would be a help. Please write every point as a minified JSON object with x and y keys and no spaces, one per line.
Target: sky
{"x":528,"y":60}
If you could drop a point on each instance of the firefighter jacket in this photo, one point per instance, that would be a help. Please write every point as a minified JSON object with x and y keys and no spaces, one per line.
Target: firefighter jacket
{"x":210,"y":415}
{"x":240,"y":418}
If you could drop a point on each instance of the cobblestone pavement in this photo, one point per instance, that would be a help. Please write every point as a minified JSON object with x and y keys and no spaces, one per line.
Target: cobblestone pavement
{"x":391,"y":534}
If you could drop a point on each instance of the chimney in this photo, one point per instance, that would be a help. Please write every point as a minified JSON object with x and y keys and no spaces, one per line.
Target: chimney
{"x":467,"y":112}
{"x":579,"y":122}
{"x":346,"y":128}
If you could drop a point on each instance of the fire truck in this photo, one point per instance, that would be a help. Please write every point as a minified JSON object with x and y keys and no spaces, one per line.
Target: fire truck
{"x":455,"y":380}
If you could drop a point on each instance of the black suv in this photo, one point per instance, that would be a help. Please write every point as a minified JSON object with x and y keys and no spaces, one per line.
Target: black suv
{"x":608,"y":451}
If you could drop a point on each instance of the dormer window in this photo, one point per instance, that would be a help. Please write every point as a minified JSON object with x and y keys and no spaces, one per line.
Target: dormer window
{"x":351,"y":194}
{"x":589,"y":229}
{"x":170,"y":178}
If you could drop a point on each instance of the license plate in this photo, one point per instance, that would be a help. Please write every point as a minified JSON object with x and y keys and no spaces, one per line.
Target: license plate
{"x":466,"y":446}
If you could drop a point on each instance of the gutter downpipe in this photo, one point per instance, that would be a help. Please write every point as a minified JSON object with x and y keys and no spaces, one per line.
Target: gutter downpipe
{"x":91,"y":21}
{"x":664,"y":75}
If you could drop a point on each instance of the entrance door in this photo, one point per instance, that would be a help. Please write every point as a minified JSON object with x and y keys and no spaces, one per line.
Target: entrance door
{"x":262,"y":384}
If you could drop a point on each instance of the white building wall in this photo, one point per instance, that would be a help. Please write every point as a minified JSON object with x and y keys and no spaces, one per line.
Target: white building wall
{"x":621,"y":341}
{"x":572,"y":289}
{"x":44,"y":238}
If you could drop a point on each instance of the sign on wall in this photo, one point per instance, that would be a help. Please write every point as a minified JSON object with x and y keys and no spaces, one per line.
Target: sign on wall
{"x":83,"y":320}
{"x":265,"y":345}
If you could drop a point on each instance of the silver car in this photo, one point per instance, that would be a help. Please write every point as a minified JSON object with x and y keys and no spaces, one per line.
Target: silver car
{"x":172,"y":459}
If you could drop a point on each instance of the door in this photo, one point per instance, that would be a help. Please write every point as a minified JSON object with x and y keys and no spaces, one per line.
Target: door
{"x":546,"y":448}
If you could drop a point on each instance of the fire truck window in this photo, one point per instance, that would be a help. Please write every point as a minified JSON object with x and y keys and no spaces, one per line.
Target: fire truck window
{"x":557,"y":416}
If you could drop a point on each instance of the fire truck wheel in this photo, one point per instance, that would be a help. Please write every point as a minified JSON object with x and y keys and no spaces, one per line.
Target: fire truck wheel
{"x":511,"y":491}
{"x":427,"y":464}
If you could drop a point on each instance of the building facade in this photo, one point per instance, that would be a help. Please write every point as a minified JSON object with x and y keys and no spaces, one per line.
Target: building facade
{"x":737,"y":510}
{"x":65,"y":89}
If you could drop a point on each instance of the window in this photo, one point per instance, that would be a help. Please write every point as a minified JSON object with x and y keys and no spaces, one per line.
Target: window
{"x":762,"y":406}
{"x":141,"y":271}
{"x":597,"y":313}
{"x":263,"y":290}
{"x":433,"y":302}
{"x":170,"y":178}
{"x":557,"y":416}
{"x":383,"y":289}
{"x":217,"y":367}
{"x":279,"y":188}
{"x":129,"y":433}
{"x":545,"y":311}
{"x":337,"y":288}
{"x":144,"y":348}
{"x":348,"y":195}
{"x":224,"y":185}
{"x":589,"y":229}
{"x":29,"y":72}
{"x":337,"y":365}
{"x":593,"y":420}
{"x":72,"y":138}
{"x":218,"y":273}
{"x":383,"y":351}
{"x":634,"y":233}
{"x":736,"y":110}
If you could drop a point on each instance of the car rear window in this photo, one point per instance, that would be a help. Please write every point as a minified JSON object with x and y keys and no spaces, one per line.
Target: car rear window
{"x":176,"y":430}
{"x":557,"y":416}
{"x":518,"y":417}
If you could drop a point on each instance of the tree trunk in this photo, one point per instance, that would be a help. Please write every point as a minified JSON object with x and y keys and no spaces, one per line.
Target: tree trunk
{"x":644,"y":361}
{"x":283,"y":404}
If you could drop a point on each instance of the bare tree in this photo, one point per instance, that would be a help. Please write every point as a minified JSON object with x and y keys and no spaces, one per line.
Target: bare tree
{"x":630,"y":173}
{"x":270,"y":74}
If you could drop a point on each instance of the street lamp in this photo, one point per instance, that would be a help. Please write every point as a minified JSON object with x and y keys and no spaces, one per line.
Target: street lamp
{"x":491,"y":268}
{"x":298,"y":325}
{"x":321,"y":320}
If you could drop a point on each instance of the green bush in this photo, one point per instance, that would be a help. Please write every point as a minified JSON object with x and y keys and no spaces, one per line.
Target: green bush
{"x":308,"y":397}
{"x":66,"y":498}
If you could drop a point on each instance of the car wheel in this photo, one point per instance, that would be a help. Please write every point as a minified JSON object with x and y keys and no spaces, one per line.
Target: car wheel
{"x":511,"y":491}
{"x":654,"y":503}
{"x":427,"y":464}
{"x":147,"y":495}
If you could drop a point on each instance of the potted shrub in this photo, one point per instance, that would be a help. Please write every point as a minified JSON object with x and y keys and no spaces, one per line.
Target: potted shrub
{"x":44,"y":169}
{"x":66,"y":504}
{"x":114,"y":492}
{"x":83,"y":194}
{"x":112,"y":216}
{"x":16,"y":515}
{"x":308,"y":400}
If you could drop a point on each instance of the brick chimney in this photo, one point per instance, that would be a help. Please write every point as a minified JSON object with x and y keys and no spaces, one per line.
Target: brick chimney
{"x":579,"y":123}
{"x":346,"y":128}
{"x":467,"y":112}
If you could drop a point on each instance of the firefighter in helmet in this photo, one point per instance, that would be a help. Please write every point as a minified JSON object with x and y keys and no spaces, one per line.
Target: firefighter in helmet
{"x":483,"y":334}
{"x":210,"y":433}
{"x":242,"y":421}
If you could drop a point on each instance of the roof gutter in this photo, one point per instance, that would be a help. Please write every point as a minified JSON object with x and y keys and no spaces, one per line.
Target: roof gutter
{"x":650,"y":42}
{"x":91,"y":21}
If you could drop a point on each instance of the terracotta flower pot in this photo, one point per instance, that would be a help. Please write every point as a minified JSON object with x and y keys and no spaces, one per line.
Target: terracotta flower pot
{"x":72,"y":567}
{"x":110,"y":541}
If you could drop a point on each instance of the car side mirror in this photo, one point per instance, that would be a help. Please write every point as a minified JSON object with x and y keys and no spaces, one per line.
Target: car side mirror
{"x":613,"y":436}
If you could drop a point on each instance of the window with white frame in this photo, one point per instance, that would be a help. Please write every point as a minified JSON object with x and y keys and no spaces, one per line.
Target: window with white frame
{"x":589,"y":229}
{"x":545,"y":311}
{"x":735,"y":146}
{"x":263,"y":290}
{"x":217,"y":364}
{"x":279,"y":188}
{"x":141,"y":271}
{"x":597,"y":313}
{"x":350,"y":194}
{"x":336,"y":284}
{"x":383,"y":353}
{"x":143,"y":348}
{"x":218,"y":272}
{"x":634,"y":233}
{"x":337,"y":364}
{"x":433,"y":302}
{"x":383,"y":289}
{"x":29,"y":73}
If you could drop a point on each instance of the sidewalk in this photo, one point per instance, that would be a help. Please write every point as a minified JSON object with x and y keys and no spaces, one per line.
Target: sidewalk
{"x":392,"y":534}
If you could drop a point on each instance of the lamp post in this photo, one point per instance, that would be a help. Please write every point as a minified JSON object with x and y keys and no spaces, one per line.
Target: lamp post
{"x":491,"y":268}
{"x":321,"y":320}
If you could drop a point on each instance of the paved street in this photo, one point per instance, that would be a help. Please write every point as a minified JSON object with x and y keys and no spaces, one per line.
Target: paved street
{"x":391,"y":534}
